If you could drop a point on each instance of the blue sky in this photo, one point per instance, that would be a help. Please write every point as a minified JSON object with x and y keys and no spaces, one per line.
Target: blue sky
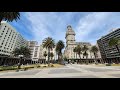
{"x":88,"y":26}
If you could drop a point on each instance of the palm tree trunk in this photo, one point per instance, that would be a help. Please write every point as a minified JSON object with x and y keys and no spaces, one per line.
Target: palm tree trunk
{"x":86,"y":59}
{"x":79,"y":56}
{"x":48,"y":57}
{"x":95,"y":57}
{"x":60,"y":59}
{"x":76,"y":55}
{"x":90,"y":55}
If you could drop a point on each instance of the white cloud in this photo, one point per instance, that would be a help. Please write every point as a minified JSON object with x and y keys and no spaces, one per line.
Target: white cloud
{"x":89,"y":24}
{"x":53,"y":24}
{"x":46,"y":24}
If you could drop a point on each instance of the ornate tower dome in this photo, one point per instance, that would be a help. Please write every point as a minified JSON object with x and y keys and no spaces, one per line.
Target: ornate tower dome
{"x":69,"y":31}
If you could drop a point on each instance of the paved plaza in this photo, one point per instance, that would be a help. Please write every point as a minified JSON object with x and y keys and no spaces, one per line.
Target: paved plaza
{"x":68,"y":71}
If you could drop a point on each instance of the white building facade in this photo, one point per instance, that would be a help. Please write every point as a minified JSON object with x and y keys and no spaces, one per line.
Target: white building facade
{"x":31,"y":46}
{"x":36,"y":52}
{"x":71,"y":44}
{"x":9,"y":39}
{"x":43,"y":50}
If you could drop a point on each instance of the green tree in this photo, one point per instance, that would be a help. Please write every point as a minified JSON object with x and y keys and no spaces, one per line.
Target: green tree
{"x":51,"y":55}
{"x":94,"y":50}
{"x":22,"y":51}
{"x":75,"y":51}
{"x":48,"y":43}
{"x":65,"y":58}
{"x":16,"y":52}
{"x":9,"y":16}
{"x":79,"y":50}
{"x":85,"y":49}
{"x":25,"y":51}
{"x":59,"y":46}
{"x":85,"y":54}
{"x":45,"y":55}
{"x":114,"y":42}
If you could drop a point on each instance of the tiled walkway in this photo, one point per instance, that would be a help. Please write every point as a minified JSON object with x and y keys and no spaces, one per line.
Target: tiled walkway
{"x":68,"y":71}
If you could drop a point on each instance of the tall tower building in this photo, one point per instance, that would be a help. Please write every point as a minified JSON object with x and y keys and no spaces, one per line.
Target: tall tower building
{"x":70,"y":42}
{"x":10,"y":39}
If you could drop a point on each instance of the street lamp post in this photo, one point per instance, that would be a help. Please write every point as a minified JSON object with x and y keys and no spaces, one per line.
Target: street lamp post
{"x":19,"y":64}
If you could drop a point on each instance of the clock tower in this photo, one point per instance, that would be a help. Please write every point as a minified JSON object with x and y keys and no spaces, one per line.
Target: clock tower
{"x":70,"y":42}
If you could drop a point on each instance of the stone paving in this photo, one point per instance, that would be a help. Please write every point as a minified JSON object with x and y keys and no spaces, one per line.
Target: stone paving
{"x":68,"y":71}
{"x":58,"y":71}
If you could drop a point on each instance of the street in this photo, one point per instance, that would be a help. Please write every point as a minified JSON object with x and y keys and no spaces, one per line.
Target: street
{"x":68,"y":71}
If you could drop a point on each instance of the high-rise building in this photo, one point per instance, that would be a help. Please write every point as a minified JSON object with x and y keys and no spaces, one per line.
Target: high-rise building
{"x":36,"y":52}
{"x":109,"y":53}
{"x":9,"y":39}
{"x":20,"y":41}
{"x":31,"y":46}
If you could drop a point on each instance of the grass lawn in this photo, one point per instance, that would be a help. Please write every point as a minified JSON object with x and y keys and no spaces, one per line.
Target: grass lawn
{"x":26,"y":67}
{"x":115,"y":64}
{"x":105,"y":65}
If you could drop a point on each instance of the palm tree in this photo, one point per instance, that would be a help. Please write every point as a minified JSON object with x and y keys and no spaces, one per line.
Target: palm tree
{"x":85,"y":54}
{"x":79,"y":50}
{"x":9,"y":16}
{"x":45,"y":54}
{"x":84,"y":49}
{"x":48,"y":43}
{"x":94,"y":49}
{"x":90,"y":53}
{"x":74,"y":52}
{"x":59,"y":46}
{"x":51,"y":55}
{"x":115,"y":42}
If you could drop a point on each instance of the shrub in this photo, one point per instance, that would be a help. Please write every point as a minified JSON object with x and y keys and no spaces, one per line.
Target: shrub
{"x":38,"y":66}
{"x":44,"y":66}
{"x":52,"y":65}
{"x":108,"y":64}
{"x":7,"y":68}
{"x":25,"y":69}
